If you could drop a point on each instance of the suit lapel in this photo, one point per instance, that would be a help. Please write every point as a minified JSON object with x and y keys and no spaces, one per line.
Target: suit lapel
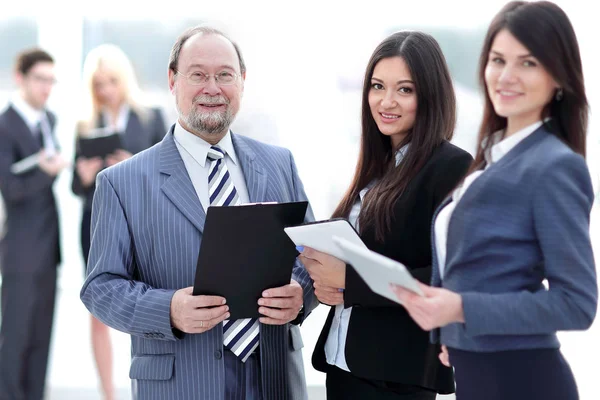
{"x":254,"y":173}
{"x":178,"y":187}
{"x":28,"y":143}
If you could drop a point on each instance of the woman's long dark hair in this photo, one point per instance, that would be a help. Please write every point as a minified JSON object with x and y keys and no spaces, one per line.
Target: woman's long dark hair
{"x":434,"y":122}
{"x":545,"y":30}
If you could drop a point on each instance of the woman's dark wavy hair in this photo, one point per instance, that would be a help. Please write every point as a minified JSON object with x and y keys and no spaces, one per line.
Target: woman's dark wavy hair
{"x":434,"y":122}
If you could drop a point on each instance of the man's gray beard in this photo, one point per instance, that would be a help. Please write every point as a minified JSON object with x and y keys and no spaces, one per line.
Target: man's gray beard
{"x":210,"y":123}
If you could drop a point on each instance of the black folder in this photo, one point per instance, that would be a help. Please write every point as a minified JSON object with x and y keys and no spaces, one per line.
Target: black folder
{"x":100,"y":146}
{"x":244,"y":251}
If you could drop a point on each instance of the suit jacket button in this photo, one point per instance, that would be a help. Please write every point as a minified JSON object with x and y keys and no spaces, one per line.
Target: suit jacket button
{"x":218,"y":354}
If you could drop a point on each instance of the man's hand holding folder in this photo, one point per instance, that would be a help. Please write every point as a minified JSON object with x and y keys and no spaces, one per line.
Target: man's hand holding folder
{"x":256,"y":279}
{"x":281,"y":305}
{"x":198,"y":314}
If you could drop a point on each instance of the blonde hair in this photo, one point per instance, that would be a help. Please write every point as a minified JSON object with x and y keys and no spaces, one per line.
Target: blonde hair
{"x":112,"y":57}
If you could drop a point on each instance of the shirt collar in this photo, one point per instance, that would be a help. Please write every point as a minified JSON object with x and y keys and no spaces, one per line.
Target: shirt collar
{"x":502,"y":146}
{"x":28,"y":113}
{"x":122,"y":119}
{"x":401,"y":153}
{"x":198,"y":147}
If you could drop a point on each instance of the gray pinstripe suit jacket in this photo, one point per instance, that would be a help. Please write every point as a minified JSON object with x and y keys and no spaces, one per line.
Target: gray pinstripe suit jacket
{"x":147,"y":227}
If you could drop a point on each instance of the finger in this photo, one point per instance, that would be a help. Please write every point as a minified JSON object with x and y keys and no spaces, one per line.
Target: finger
{"x":274,"y":313}
{"x":329,"y":300}
{"x":278,"y":302}
{"x":283,"y":291}
{"x":208,"y":301}
{"x":188,"y":290}
{"x":206,"y":314}
{"x":309,"y":253}
{"x":401,"y":293}
{"x":331,"y":295}
{"x":324,"y":288}
{"x":273,"y":321}
{"x":444,"y":359}
{"x":427,"y":290}
{"x":309,"y":263}
{"x":211,"y":323}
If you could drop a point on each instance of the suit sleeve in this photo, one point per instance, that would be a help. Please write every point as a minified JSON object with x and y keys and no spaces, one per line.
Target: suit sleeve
{"x":18,"y":188}
{"x":299,"y":273}
{"x":110,"y":292}
{"x":562,"y":201}
{"x":76,"y":184}
{"x":447,"y":176}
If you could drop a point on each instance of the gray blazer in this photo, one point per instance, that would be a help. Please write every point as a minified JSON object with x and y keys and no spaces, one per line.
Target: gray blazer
{"x":147,"y":224}
{"x":524,"y":220}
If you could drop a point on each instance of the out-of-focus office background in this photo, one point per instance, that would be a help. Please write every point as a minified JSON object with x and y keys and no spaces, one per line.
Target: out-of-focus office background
{"x":305,"y":66}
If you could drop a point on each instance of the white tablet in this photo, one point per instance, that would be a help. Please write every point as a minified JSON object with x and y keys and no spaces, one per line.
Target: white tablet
{"x":319,"y":236}
{"x":376,"y":270}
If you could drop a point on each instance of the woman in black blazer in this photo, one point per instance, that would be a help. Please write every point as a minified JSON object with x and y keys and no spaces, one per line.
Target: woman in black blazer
{"x":113,"y":107}
{"x":370,"y":348}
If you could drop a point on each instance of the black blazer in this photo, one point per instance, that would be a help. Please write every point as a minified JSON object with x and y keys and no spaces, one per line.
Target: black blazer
{"x":139,"y":135}
{"x":383,"y":342}
{"x":31,"y":243}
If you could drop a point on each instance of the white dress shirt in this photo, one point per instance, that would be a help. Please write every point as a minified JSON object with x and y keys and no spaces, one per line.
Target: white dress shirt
{"x":194,"y":151}
{"x":32,"y":118}
{"x":335,"y":345}
{"x":122,"y":119}
{"x":497,"y":151}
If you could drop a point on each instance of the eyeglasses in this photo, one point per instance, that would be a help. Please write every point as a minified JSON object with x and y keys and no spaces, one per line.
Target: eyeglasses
{"x":223,"y":78}
{"x":43,"y":79}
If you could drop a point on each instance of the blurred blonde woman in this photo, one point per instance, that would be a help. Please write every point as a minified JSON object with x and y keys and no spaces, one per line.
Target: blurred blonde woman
{"x":112,"y":100}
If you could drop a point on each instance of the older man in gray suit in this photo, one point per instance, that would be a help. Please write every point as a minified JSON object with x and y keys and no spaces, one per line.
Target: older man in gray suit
{"x":147,"y":225}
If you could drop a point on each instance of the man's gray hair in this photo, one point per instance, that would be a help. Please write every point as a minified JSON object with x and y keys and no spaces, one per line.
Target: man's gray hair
{"x":206,"y":30}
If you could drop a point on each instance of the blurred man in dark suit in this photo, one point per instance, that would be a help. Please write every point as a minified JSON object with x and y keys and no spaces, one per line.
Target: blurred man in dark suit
{"x":29,"y":251}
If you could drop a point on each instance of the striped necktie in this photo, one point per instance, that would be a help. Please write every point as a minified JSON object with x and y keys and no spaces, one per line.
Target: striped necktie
{"x":241,"y":335}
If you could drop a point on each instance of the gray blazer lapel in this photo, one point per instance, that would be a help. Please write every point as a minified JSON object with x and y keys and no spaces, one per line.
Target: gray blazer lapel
{"x":254,"y":173}
{"x":178,"y":187}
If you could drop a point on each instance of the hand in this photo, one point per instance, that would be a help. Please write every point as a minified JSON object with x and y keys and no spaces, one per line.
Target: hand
{"x":52,"y":165}
{"x":328,"y":295}
{"x":87,"y":169}
{"x":197,"y":314}
{"x":439,"y":307}
{"x":117,"y":157}
{"x":281,"y":305}
{"x":324,"y":269}
{"x":444,"y":357}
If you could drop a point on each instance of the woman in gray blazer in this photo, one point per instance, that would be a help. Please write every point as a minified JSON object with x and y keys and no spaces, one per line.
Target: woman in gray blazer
{"x":519,"y":220}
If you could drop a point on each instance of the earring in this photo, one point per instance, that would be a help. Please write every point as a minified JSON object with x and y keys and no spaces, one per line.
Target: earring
{"x":559,"y":94}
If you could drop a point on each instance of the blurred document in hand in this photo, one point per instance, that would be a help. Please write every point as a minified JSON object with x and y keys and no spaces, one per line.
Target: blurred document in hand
{"x":378,"y":271}
{"x":26,"y":164}
{"x":99,"y":143}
